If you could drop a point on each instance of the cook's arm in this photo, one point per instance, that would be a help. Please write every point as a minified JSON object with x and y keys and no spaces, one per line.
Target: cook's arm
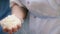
{"x":19,"y":12}
{"x":18,"y":9}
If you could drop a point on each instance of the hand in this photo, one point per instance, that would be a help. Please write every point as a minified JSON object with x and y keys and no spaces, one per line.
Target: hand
{"x":15,"y":29}
{"x":11,"y":24}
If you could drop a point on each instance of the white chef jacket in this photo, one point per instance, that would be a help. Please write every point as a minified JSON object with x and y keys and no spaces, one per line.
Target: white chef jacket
{"x":44,"y":16}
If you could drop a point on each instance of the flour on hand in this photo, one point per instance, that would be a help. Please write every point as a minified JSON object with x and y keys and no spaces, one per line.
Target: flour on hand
{"x":10,"y":22}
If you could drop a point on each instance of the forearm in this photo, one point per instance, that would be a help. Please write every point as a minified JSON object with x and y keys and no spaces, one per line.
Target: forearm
{"x":18,"y":11}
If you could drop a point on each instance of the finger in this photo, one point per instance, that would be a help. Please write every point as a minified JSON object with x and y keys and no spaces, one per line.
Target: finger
{"x":18,"y":27}
{"x":10,"y":32}
{"x":14,"y":29}
{"x":5,"y":30}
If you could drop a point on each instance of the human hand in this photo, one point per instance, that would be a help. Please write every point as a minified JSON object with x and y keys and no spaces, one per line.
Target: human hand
{"x":11,"y":24}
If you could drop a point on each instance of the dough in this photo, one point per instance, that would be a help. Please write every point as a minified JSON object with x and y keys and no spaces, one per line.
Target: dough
{"x":10,"y":21}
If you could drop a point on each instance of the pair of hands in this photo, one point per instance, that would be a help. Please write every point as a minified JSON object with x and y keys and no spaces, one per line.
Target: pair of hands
{"x":11,"y":24}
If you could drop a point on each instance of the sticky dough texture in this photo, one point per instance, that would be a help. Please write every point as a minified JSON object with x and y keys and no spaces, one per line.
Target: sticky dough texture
{"x":10,"y":21}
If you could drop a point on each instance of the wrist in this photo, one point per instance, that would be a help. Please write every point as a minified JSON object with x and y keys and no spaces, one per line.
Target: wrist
{"x":18,"y":17}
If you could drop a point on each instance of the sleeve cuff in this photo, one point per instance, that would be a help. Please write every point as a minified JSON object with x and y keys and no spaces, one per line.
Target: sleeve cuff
{"x":15,"y":1}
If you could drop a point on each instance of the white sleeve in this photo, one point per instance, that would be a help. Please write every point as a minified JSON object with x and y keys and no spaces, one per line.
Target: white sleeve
{"x":15,"y":1}
{"x":56,"y":30}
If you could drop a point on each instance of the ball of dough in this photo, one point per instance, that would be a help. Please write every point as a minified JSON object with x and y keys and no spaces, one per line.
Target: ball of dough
{"x":10,"y":22}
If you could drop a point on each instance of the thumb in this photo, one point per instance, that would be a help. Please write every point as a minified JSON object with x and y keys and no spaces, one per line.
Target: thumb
{"x":10,"y":32}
